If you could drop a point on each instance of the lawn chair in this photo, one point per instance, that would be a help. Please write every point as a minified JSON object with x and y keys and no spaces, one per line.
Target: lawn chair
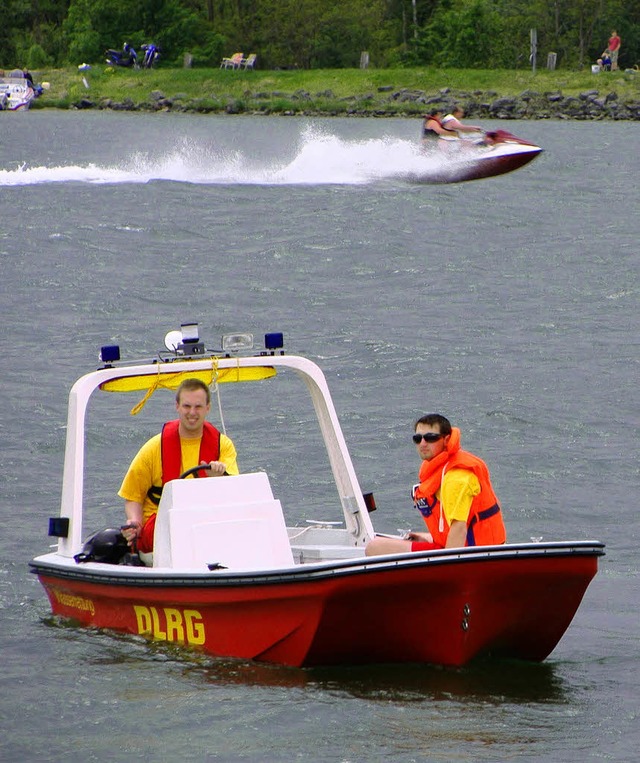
{"x":233,"y":62}
{"x":249,"y":62}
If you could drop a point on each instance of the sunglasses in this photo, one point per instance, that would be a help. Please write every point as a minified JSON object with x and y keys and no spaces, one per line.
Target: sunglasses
{"x":427,"y":437}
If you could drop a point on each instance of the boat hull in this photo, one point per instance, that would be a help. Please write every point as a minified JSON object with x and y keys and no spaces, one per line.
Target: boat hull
{"x":465,"y":163}
{"x":442,"y":607}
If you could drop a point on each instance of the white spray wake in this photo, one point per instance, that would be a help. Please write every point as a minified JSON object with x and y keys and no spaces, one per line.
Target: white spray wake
{"x":320,"y":159}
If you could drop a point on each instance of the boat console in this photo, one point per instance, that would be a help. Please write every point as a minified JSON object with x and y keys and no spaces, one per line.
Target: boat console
{"x":228,"y":523}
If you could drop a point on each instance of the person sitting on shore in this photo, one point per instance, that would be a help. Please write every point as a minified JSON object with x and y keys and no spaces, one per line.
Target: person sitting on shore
{"x":37,"y":89}
{"x":604,"y":62}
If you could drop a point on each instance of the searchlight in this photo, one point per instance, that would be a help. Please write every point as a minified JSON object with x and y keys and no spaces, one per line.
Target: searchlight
{"x":237,"y":342}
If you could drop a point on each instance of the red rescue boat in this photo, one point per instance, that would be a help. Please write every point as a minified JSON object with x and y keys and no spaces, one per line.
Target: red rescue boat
{"x":228,"y":575}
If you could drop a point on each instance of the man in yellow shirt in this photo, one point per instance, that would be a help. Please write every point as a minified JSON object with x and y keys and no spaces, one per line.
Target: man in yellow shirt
{"x":183,"y":444}
{"x":454,"y":495}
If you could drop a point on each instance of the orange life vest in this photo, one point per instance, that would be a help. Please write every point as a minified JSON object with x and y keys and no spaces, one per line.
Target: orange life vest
{"x":171,"y":465}
{"x":485,"y":526}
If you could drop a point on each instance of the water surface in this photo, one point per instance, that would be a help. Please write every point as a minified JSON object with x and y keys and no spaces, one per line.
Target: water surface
{"x":510,"y":304}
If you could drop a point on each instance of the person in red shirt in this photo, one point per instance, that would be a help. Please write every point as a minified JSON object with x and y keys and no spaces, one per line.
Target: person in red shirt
{"x":613,"y":48}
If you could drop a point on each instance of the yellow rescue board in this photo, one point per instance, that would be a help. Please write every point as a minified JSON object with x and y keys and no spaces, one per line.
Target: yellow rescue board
{"x":173,"y":380}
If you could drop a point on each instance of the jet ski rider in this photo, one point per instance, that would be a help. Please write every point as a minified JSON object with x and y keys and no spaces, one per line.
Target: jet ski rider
{"x":448,"y":129}
{"x":432,"y":127}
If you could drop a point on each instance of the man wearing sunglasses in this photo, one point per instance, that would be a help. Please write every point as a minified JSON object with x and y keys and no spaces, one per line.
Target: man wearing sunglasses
{"x":454,"y":495}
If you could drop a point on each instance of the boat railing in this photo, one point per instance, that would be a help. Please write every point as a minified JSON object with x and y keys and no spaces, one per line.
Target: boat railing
{"x":354,"y":509}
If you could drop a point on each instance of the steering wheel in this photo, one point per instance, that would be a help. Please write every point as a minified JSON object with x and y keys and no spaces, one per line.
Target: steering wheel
{"x":194,"y":470}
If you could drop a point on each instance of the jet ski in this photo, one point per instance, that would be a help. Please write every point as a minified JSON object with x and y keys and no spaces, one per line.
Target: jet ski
{"x":459,"y":160}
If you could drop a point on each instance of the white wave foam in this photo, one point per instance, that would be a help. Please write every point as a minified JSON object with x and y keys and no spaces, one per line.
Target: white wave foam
{"x":321,"y":158}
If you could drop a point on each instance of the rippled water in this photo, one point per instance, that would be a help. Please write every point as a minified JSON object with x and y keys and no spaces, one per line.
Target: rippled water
{"x":510,"y":304}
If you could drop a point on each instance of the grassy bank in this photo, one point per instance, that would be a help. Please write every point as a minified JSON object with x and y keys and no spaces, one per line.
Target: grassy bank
{"x":329,"y":90}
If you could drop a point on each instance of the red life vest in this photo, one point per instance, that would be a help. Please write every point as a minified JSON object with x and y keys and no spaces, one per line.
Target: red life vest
{"x":485,"y":526}
{"x":429,"y":132}
{"x":171,"y":452}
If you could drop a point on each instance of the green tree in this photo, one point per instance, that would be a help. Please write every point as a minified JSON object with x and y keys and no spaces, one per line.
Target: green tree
{"x":468,"y":34}
{"x":320,"y":33}
{"x":92,"y":26}
{"x":571,"y":28}
{"x":306,"y":33}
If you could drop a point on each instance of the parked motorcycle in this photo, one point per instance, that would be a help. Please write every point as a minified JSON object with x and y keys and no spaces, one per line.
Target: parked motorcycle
{"x":151,"y":55}
{"x":125,"y":57}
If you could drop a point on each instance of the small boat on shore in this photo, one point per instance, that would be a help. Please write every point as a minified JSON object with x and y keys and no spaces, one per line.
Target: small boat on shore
{"x":16,"y":92}
{"x":231,"y":577}
{"x":463,"y":160}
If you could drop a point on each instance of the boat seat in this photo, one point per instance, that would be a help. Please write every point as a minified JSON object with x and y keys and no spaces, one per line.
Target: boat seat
{"x":234,"y":522}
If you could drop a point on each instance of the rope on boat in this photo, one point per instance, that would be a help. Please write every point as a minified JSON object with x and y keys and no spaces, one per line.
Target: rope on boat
{"x":168,"y":381}
{"x":216,"y":389}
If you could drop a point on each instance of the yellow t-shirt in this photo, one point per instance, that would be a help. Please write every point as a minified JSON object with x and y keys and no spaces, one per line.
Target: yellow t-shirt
{"x":459,"y":488}
{"x":146,"y":468}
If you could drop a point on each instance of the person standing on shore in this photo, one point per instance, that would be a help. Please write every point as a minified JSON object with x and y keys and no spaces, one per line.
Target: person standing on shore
{"x":613,"y":48}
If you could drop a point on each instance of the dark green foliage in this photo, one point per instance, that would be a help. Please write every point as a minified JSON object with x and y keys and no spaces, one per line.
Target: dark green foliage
{"x":320,"y":33}
{"x":467,"y":36}
{"x":210,"y":53}
{"x":36,"y":57}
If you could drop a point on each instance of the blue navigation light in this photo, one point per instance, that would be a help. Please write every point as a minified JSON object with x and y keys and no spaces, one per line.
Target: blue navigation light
{"x":273,"y":341}
{"x":109,"y":353}
{"x":59,"y":527}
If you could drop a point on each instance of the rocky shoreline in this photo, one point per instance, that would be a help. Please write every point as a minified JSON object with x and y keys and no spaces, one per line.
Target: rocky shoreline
{"x":591,"y":104}
{"x":392,"y":102}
